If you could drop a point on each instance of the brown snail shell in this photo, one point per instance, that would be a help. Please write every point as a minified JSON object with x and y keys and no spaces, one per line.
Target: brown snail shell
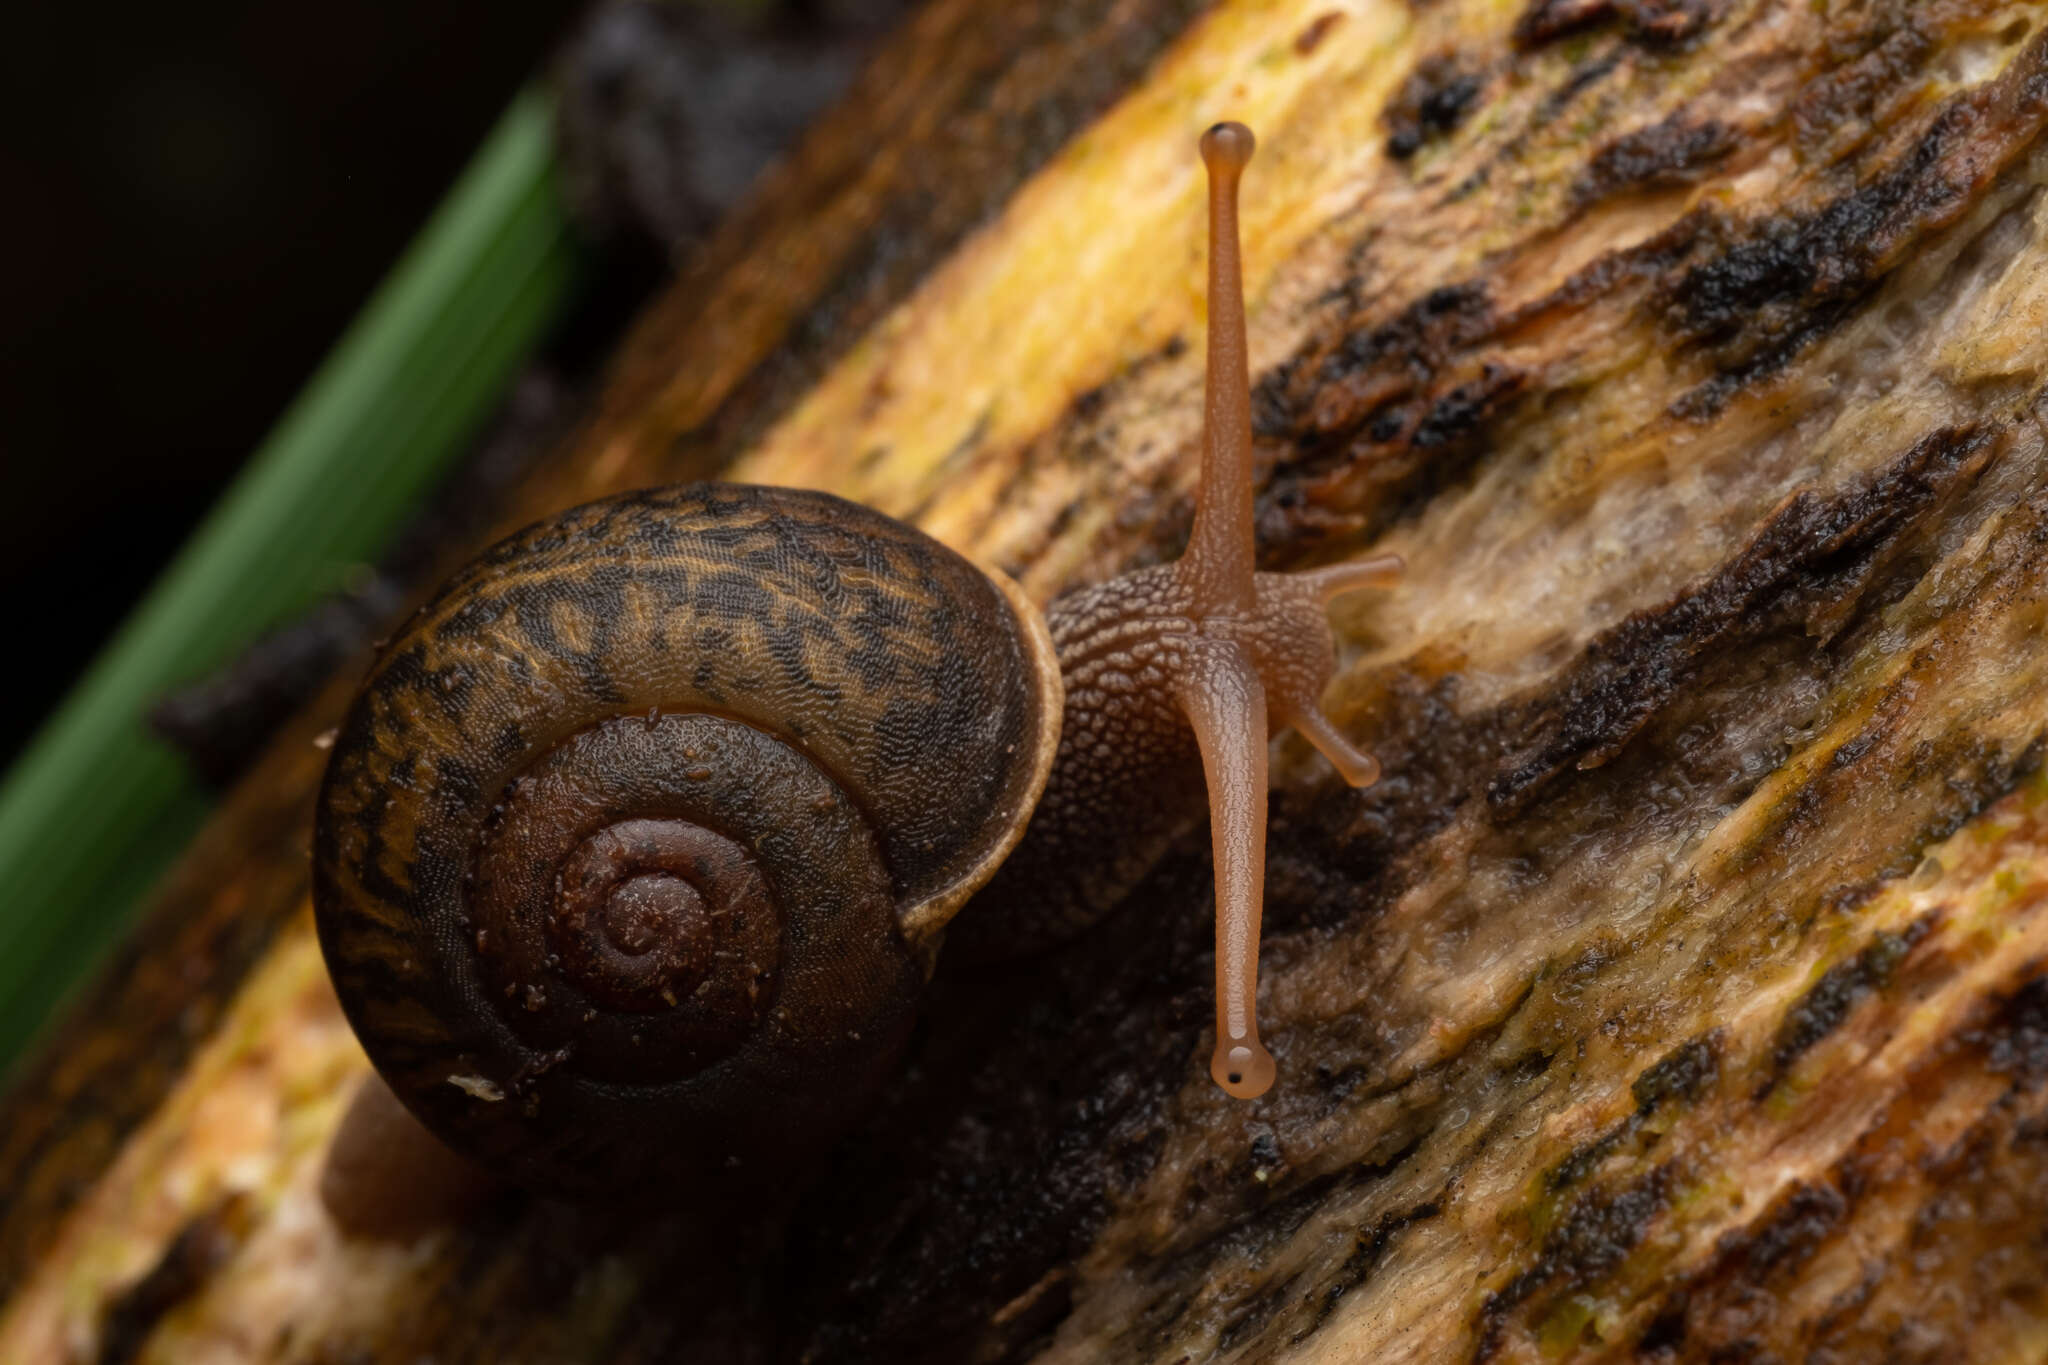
{"x":636,"y":846}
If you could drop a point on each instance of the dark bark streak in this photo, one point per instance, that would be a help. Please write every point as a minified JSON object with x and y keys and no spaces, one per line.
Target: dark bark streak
{"x":1810,"y":555}
{"x":1677,"y":151}
{"x":1365,"y":1258}
{"x":1841,"y":988}
{"x":1651,"y":22}
{"x":1602,"y":1228}
{"x":1680,"y":1077}
{"x":201,"y":1247}
{"x":1430,"y":104}
{"x":1770,"y":289}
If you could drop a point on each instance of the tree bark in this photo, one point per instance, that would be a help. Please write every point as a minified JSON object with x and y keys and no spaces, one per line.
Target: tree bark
{"x":1680,"y":992}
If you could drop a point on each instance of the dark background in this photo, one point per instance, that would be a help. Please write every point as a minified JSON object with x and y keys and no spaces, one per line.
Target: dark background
{"x":199,"y":198}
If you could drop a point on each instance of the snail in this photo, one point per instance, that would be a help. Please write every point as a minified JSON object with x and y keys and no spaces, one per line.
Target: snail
{"x":639,"y":843}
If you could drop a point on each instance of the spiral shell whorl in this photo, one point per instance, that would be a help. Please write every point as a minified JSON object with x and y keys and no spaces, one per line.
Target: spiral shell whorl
{"x":632,"y":850}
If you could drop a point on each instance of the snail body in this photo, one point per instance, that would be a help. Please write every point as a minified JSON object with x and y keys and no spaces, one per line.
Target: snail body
{"x":641,"y":839}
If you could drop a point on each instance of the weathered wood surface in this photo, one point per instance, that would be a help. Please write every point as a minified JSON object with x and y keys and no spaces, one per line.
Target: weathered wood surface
{"x":1681,"y":993}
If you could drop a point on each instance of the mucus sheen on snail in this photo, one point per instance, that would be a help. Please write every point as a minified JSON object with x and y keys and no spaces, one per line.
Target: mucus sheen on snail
{"x":639,"y":843}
